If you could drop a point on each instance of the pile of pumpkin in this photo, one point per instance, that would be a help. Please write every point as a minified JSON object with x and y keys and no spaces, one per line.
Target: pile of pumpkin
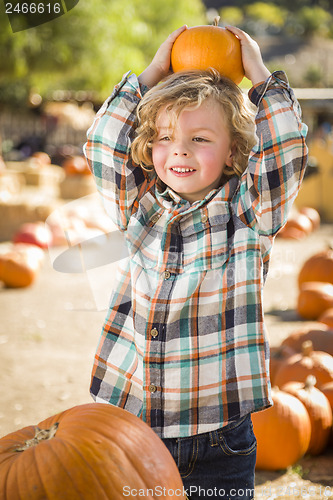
{"x":300,"y":422}
{"x":21,"y":261}
{"x":315,"y":281}
{"x":72,"y":164}
{"x":301,"y":372}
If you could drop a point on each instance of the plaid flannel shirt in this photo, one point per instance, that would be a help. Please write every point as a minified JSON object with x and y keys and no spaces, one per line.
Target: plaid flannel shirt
{"x":184,"y":345}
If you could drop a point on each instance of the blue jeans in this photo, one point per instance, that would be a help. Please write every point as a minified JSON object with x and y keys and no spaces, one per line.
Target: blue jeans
{"x":217,"y":464}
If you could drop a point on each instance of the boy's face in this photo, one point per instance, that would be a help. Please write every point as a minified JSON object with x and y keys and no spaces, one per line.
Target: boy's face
{"x":190,"y":153}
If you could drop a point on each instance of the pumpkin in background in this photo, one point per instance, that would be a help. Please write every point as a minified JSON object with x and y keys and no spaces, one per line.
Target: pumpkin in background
{"x":76,"y":165}
{"x":314,"y":298}
{"x":297,"y":227}
{"x":291,"y":233}
{"x":34,"y":233}
{"x":42,"y":158}
{"x":20,"y":265}
{"x":309,"y":362}
{"x":327,"y":389}
{"x":319,"y":410}
{"x":319,"y":267}
{"x":204,"y":47}
{"x":278,"y":356}
{"x":327,"y":318}
{"x":320,"y":335}
{"x":283,"y":432}
{"x":89,"y":451}
{"x":311,"y":214}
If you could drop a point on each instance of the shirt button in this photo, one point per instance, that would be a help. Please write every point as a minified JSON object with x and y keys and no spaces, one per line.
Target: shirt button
{"x":154,"y":218}
{"x":152,"y":388}
{"x":166,"y":275}
{"x":154,"y":332}
{"x":204,"y":218}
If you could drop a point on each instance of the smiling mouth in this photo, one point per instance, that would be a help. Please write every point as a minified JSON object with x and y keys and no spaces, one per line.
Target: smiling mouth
{"x":181,"y":170}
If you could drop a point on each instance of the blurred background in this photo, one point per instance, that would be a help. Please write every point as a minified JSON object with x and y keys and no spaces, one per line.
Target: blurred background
{"x":55,"y":76}
{"x":53,"y":79}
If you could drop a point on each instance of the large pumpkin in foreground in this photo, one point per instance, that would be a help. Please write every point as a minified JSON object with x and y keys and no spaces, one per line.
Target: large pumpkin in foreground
{"x":92,"y":451}
{"x":204,"y":47}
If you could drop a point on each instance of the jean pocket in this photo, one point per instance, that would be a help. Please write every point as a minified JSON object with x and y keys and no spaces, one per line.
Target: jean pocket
{"x":238,"y":438}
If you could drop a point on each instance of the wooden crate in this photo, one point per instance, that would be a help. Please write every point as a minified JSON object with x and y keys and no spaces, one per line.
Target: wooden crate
{"x":36,"y":175}
{"x":18,"y":210}
{"x":11,"y":183}
{"x":76,"y":186}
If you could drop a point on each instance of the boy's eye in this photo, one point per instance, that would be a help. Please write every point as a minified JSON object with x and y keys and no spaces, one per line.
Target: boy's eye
{"x":200,"y":139}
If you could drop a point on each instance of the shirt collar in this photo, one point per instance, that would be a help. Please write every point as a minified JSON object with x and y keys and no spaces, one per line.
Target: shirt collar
{"x":169,"y":198}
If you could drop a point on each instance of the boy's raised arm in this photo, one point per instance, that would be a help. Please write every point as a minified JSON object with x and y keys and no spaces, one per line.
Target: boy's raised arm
{"x":254,"y":67}
{"x":276,"y":165}
{"x":107,"y":150}
{"x":159,"y":68}
{"x":119,"y":181}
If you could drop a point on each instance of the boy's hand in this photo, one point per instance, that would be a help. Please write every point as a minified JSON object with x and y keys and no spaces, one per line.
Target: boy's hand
{"x":254,"y":67}
{"x":159,"y":68}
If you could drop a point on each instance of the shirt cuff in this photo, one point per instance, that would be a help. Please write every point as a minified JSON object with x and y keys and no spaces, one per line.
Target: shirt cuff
{"x":278,"y":79}
{"x":129,"y":84}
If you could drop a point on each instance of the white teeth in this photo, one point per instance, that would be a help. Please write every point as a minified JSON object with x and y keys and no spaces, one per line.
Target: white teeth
{"x":181,"y":170}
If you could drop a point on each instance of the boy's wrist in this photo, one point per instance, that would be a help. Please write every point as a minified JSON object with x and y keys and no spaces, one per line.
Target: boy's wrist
{"x":150,"y":76}
{"x":259,"y":75}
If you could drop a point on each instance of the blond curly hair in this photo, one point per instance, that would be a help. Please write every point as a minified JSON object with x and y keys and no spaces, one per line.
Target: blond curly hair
{"x":188,"y":90}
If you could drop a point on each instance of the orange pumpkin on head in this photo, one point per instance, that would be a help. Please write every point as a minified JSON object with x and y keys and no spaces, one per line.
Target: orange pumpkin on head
{"x":204,"y":47}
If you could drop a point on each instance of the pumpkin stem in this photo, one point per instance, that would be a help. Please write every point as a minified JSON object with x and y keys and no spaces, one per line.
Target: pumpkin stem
{"x":307,"y":348}
{"x":310,"y":382}
{"x":216,"y":20}
{"x":40,"y":435}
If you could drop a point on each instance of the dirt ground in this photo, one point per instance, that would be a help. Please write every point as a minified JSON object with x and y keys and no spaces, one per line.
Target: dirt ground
{"x":49,"y":332}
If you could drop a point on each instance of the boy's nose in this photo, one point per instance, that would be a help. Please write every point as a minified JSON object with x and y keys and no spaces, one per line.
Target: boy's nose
{"x":181,"y":149}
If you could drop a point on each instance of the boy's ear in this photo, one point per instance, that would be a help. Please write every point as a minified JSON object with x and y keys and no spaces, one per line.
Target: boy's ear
{"x":229,"y":161}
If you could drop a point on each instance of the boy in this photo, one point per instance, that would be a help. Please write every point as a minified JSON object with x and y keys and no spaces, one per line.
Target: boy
{"x":201,"y":198}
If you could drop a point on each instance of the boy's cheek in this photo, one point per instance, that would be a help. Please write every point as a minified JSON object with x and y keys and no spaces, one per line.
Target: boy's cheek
{"x":158,"y":156}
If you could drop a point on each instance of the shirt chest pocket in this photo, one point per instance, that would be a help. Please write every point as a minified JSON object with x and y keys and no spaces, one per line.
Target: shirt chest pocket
{"x":191,"y":244}
{"x":144,"y":242}
{"x":205,"y":245}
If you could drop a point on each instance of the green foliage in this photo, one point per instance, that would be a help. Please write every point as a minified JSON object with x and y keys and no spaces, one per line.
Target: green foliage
{"x":91,"y":46}
{"x":314,"y":20}
{"x":286,"y":18}
{"x":293,"y":6}
{"x":313,"y":76}
{"x":266,"y":12}
{"x":231,"y":15}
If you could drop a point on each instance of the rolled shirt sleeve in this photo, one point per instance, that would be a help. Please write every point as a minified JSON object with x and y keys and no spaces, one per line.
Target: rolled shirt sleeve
{"x":276,"y":166}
